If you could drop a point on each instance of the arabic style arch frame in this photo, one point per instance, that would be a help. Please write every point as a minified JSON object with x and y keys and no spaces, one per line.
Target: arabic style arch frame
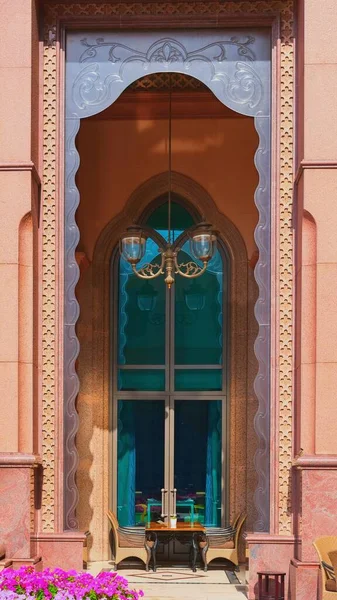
{"x":236,"y":67}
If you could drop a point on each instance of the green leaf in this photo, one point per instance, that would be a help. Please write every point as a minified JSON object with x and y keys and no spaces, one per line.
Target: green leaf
{"x":53,"y":589}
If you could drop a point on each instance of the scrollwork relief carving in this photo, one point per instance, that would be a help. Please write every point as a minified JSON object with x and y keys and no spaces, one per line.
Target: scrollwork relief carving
{"x":168,"y":50}
{"x":241,"y":83}
{"x":89,"y":89}
{"x":245,"y":87}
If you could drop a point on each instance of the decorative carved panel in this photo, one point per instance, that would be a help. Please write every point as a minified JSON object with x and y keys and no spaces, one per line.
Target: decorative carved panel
{"x":286,"y":264}
{"x":246,"y":82}
{"x":49,"y":258}
{"x":102,"y":64}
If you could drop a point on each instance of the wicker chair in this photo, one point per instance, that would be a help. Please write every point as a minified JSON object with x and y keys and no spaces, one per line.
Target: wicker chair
{"x":222,"y":543}
{"x":235,"y":521}
{"x":129,"y":542}
{"x":325,"y":546}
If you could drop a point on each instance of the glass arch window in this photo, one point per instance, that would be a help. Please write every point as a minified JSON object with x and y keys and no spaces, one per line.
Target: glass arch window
{"x":169,"y":380}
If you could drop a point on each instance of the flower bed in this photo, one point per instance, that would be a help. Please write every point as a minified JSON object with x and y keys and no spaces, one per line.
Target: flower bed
{"x":26,"y":584}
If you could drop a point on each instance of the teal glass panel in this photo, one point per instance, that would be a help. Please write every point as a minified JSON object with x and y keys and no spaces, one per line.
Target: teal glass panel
{"x":197,"y":460}
{"x":199,"y":314}
{"x":181,"y":219}
{"x":140,"y":461}
{"x":141,"y":314}
{"x":141,"y":379}
{"x":197,"y":379}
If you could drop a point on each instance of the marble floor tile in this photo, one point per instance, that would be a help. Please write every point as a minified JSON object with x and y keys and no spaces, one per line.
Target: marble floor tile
{"x":211,"y":586}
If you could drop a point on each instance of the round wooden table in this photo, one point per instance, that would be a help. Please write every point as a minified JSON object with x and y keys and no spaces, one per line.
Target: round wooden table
{"x":271,"y":585}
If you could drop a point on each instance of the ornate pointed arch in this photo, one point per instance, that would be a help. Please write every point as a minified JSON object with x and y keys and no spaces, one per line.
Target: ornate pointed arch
{"x":139,"y":201}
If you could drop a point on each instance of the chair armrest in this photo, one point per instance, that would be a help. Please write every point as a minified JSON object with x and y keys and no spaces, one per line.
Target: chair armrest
{"x":329,"y":570}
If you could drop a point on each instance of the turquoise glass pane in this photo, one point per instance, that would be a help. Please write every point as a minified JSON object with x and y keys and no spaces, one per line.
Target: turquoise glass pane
{"x":141,"y":379}
{"x":197,"y":460}
{"x":199,"y":314}
{"x":201,"y":380}
{"x":140,"y":460}
{"x":181,"y":219}
{"x":141,"y":314}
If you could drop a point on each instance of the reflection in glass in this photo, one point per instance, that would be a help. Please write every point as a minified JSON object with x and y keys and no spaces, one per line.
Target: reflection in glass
{"x":195,"y":296}
{"x":202,"y":380}
{"x":141,"y":341}
{"x":198,"y":340}
{"x":141,"y":379}
{"x":197,"y":459}
{"x":147,"y":297}
{"x":140,"y":455}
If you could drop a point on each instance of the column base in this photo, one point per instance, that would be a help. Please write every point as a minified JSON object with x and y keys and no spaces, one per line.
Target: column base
{"x":16,"y":498}
{"x":269,"y":552}
{"x":6,"y":563}
{"x":35,"y":562}
{"x":63,"y":550}
{"x":304,"y":579}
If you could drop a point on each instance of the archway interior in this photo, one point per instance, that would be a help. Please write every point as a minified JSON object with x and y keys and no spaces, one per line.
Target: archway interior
{"x":119,"y":149}
{"x":127,"y":144}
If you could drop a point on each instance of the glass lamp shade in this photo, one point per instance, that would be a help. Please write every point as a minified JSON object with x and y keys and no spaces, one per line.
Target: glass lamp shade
{"x":147,"y":297}
{"x":203,"y":242}
{"x":133,"y":245}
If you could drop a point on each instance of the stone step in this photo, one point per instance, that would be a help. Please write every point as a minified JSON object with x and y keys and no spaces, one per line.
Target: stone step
{"x":6,"y":563}
{"x":35,"y":561}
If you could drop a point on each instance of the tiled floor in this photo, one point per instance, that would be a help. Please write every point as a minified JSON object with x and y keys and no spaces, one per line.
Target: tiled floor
{"x":210,"y":586}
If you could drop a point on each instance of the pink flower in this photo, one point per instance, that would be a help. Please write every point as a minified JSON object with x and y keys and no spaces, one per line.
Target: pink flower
{"x":56,"y":584}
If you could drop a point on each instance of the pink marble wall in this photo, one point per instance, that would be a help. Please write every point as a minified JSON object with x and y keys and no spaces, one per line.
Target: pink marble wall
{"x":319,"y":508}
{"x":15,"y":511}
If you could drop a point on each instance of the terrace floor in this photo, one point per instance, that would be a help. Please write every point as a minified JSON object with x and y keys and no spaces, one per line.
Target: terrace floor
{"x":178,"y":583}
